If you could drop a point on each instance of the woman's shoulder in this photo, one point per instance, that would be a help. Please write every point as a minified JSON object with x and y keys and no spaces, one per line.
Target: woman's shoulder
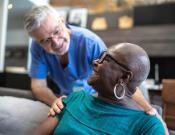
{"x":74,"y":96}
{"x":153,"y":125}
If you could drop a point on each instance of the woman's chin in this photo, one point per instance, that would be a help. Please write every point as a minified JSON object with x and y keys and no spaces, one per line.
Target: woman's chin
{"x":92,"y":80}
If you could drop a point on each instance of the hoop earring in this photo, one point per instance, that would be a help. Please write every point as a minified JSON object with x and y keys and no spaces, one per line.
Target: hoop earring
{"x":115,"y":88}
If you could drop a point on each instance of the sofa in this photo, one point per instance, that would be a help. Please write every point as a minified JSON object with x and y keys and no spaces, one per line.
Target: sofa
{"x":20,"y":113}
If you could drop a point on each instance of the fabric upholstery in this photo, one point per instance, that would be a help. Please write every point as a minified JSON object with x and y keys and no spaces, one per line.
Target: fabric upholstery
{"x":20,"y":116}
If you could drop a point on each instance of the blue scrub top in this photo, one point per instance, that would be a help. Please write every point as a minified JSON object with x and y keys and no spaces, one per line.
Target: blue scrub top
{"x":85,"y":46}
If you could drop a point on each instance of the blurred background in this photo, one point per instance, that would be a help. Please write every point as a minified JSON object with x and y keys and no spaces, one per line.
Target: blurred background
{"x":148,"y":23}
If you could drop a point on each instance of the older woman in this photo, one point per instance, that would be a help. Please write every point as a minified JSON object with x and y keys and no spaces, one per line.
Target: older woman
{"x":116,"y":75}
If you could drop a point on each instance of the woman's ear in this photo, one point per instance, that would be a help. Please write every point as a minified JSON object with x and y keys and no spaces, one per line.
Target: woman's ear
{"x":128,"y":76}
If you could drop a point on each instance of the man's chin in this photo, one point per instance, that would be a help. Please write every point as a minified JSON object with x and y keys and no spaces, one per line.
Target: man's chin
{"x":63,"y":51}
{"x":60,"y":54}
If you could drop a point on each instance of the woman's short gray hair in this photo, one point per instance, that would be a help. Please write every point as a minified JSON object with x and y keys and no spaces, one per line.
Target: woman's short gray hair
{"x":36,"y":15}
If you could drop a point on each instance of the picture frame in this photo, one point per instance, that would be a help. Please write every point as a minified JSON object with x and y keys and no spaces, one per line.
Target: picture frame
{"x":78,"y":17}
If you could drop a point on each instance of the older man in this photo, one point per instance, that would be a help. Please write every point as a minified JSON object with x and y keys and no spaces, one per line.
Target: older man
{"x":62,"y":51}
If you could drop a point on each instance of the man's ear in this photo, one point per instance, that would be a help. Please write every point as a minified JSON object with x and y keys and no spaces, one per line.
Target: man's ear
{"x":62,"y":19}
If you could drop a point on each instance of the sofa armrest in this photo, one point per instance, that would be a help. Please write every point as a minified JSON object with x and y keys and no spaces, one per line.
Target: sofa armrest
{"x":16,"y":93}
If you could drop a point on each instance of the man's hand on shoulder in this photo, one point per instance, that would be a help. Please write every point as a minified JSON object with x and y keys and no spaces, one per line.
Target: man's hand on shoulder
{"x":153,"y":111}
{"x":57,"y":106}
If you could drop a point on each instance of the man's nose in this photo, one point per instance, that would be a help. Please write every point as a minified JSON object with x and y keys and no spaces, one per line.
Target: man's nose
{"x":54,"y":41}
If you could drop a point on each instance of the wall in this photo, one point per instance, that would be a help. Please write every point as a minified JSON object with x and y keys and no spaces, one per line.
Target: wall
{"x":157,"y":40}
{"x":3,"y":26}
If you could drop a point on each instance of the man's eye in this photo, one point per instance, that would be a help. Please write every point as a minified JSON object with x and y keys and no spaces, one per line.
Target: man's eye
{"x":47,"y":41}
{"x":56,"y":32}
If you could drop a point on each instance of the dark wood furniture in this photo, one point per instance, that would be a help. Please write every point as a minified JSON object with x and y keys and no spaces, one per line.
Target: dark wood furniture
{"x":168,"y":97}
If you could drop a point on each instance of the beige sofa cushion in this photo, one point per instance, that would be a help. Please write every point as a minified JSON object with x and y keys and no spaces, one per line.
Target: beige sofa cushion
{"x":20,"y":116}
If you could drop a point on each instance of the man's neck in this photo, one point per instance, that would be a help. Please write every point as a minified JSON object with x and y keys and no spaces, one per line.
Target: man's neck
{"x":64,"y":60}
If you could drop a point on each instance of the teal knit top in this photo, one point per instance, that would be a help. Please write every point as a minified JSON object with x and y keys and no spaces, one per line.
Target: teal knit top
{"x":84,"y":114}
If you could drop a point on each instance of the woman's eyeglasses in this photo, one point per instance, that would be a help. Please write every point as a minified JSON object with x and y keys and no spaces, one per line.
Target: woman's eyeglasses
{"x":105,"y":54}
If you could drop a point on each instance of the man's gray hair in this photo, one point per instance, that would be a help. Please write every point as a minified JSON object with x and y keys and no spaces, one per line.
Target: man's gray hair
{"x":36,"y":15}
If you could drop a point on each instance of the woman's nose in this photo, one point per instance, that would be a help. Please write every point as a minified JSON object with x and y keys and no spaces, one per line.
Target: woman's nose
{"x":95,"y":62}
